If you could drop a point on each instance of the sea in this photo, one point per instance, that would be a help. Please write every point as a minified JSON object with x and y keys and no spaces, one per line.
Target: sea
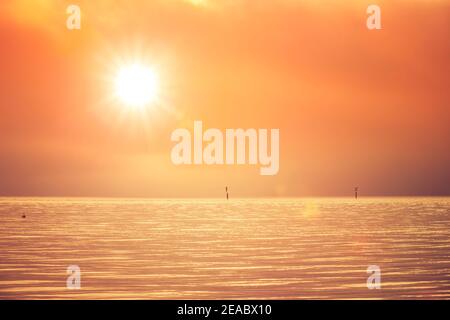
{"x":290,"y":248}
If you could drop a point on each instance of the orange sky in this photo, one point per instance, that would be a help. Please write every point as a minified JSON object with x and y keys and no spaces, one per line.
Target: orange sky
{"x":354,"y":107}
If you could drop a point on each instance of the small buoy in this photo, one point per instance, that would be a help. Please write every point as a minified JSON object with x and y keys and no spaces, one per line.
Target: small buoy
{"x":24,"y":216}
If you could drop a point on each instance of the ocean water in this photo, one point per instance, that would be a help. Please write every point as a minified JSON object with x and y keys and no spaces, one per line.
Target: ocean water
{"x":218,"y":249}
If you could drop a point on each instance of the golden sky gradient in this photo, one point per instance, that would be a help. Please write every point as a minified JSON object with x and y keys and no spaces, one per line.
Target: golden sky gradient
{"x":354,"y":107}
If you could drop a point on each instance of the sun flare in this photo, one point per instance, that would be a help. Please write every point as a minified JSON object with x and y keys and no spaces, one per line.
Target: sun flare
{"x":137,"y":85}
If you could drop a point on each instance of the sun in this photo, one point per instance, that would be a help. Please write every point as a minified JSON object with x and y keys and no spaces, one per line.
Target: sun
{"x":136,"y":85}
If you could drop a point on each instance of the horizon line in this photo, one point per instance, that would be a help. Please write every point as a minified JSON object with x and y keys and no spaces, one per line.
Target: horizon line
{"x":220,"y":198}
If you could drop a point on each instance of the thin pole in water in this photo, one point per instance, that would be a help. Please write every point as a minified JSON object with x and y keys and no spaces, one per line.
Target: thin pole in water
{"x":356,"y":192}
{"x":226,"y":190}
